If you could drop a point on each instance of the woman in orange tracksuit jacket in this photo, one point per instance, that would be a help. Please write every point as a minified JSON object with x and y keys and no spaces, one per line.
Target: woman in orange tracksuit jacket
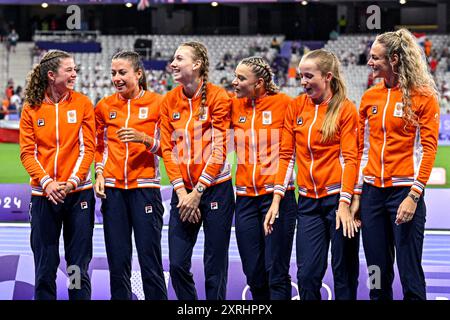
{"x":257,"y":119}
{"x":321,"y":128}
{"x":399,"y":126}
{"x":128,"y":179}
{"x":57,"y":144}
{"x":194,"y":121}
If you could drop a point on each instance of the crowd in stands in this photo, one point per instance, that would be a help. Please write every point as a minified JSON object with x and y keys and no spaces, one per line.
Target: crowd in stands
{"x":11,"y":106}
{"x":285,"y":71}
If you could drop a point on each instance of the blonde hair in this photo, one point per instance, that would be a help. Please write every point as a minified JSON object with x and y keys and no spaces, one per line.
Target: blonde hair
{"x":412,"y":70}
{"x":136,"y":63}
{"x":327,"y":61}
{"x":261,"y":69}
{"x":200,"y":52}
{"x":37,"y":79}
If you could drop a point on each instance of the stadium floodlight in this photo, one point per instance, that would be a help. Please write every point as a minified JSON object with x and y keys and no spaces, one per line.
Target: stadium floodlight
{"x":214,"y":4}
{"x":304,"y":2}
{"x":402,"y":1}
{"x":44,"y":5}
{"x":128,"y":5}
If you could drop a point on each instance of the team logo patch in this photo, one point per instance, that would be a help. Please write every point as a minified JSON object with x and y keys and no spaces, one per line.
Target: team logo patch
{"x":72,"y":116}
{"x":267,"y":117}
{"x":204,"y":116}
{"x":398,"y":110}
{"x":41,"y":122}
{"x":176,"y":116}
{"x":84,"y":205}
{"x":143,"y":113}
{"x":112,"y":115}
{"x":242,"y":119}
{"x":299,"y":121}
{"x":374,"y":109}
{"x":214,"y":205}
{"x":148,"y":209}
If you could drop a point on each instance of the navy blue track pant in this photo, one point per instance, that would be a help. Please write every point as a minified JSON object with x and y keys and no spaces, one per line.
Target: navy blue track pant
{"x":382,"y":239}
{"x":217,"y":208}
{"x":266,"y":260}
{"x":76,"y":217}
{"x":316,"y":227}
{"x":139,"y":210}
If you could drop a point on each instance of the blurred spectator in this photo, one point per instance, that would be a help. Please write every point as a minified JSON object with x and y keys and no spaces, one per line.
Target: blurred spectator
{"x":275,"y":44}
{"x":9,"y":89}
{"x":362,"y":53}
{"x":445,"y":104}
{"x":13,"y":37}
{"x":16,"y":99}
{"x":333,"y":35}
{"x":433,"y":65}
{"x":4,"y":108}
{"x":221,"y":65}
{"x":427,"y":45}
{"x":342,"y":23}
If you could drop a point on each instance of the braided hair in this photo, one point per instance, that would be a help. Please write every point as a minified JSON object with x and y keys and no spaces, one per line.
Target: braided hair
{"x":200,"y":53}
{"x":37,"y":79}
{"x":261,"y":69}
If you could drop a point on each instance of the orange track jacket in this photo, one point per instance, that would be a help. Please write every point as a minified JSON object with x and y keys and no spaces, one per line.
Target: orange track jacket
{"x":194,"y":146}
{"x":128,"y":165}
{"x":57,"y":142}
{"x":390,"y":152}
{"x":323,"y":168}
{"x":257,"y":127}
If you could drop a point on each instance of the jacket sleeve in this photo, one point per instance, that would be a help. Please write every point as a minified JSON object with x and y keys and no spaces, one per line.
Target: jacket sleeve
{"x":28,"y":149}
{"x":429,"y":132}
{"x":87,"y":146}
{"x":349,"y":151}
{"x":155,"y":148}
{"x":168,"y":149}
{"x":363,"y":146}
{"x":101,"y":150}
{"x":220,"y":122}
{"x":287,"y":152}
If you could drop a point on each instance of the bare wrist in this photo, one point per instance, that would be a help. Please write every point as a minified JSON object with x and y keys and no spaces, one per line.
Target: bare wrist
{"x":180,"y":191}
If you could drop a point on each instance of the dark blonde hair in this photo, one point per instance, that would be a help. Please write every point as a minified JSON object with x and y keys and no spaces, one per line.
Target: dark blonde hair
{"x":261,"y":69}
{"x":37,"y":79}
{"x":412,"y":70}
{"x":200,"y":53}
{"x":136,"y":63}
{"x":327,"y":61}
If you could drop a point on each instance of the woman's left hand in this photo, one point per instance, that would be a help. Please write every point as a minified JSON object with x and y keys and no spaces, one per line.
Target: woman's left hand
{"x":406,"y":210}
{"x":130,"y":135}
{"x":189,"y":205}
{"x":345,"y":218}
{"x":68,"y":187}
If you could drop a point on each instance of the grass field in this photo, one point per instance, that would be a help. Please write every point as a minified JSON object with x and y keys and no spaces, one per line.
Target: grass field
{"x":12,"y":170}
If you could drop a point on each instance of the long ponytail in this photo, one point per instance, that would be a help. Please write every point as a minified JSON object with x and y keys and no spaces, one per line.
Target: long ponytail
{"x":327,"y":61}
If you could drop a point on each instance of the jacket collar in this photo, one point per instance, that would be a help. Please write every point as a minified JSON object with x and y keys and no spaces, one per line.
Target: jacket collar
{"x":65,"y":97}
{"x":140,"y":95}
{"x":197,"y":94}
